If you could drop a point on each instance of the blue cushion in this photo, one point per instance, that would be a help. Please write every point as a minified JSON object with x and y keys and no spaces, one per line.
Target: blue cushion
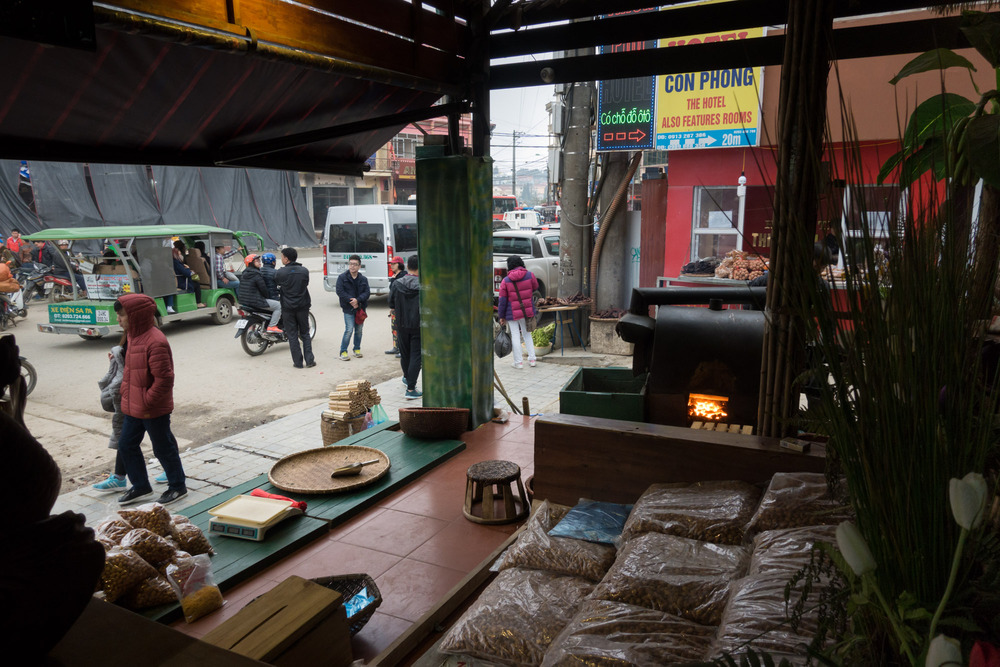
{"x":593,"y":521}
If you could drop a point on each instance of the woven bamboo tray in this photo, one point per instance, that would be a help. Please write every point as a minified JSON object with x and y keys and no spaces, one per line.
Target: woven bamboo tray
{"x":309,"y":471}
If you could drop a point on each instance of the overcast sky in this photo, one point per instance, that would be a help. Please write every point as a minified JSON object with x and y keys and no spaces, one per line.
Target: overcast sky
{"x":521,"y":110}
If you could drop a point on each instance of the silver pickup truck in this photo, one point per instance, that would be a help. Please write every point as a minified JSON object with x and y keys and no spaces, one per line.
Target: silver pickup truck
{"x":539,"y":248}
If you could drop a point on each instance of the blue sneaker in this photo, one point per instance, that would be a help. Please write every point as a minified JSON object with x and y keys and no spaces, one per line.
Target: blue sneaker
{"x":404,"y":382}
{"x":112,"y":483}
{"x":161,"y":478}
{"x":412,"y":394}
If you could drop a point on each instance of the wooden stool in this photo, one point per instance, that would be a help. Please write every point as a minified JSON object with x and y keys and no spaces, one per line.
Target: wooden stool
{"x":480,"y":480}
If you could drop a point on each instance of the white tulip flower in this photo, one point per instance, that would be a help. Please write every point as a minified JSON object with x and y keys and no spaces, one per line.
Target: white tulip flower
{"x":968,"y":500}
{"x":944,"y":651}
{"x":855,"y":550}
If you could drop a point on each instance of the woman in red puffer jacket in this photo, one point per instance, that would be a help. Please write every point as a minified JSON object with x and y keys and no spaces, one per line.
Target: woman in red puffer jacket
{"x":515,"y":305}
{"x":147,"y":395}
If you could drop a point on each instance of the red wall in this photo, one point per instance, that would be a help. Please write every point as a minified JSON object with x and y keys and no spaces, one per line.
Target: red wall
{"x":722,"y":167}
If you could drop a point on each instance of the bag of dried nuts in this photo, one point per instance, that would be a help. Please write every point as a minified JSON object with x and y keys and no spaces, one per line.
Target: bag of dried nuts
{"x":124,"y":569}
{"x":151,"y":516}
{"x":614,"y":633}
{"x":153,"y":548}
{"x":113,"y":528}
{"x":150,"y":593}
{"x":687,"y":578}
{"x":708,"y":511}
{"x":190,"y":537}
{"x":797,"y":499}
{"x":193,"y":584}
{"x":787,"y":550}
{"x":517,"y":616}
{"x":535,"y":549}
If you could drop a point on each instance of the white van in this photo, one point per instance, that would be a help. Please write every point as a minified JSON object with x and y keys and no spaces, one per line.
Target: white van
{"x":522,"y":219}
{"x":376,"y":233}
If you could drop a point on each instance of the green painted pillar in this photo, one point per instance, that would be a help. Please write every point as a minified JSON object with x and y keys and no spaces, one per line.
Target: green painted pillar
{"x":455,"y":244}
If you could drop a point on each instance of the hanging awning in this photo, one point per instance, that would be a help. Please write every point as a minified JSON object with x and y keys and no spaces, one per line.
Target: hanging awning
{"x":278,"y":85}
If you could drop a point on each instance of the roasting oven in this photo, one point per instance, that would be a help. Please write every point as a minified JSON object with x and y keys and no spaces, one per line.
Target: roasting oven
{"x":703,"y":360}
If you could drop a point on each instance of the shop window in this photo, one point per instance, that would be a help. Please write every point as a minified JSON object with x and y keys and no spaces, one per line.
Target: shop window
{"x":716,"y":226}
{"x":872,"y":208}
{"x":364,"y":196}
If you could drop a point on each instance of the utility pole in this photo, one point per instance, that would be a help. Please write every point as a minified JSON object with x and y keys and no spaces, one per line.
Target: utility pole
{"x":513,"y":170}
{"x":576,"y":230}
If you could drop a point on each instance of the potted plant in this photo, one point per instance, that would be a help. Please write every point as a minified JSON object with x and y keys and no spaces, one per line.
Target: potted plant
{"x":542,"y":339}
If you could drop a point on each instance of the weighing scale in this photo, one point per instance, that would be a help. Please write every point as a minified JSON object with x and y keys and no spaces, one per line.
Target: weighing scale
{"x":249,"y":517}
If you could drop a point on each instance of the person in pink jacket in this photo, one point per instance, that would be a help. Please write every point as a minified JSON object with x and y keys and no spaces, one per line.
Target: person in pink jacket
{"x":515,"y":306}
{"x":147,"y":399}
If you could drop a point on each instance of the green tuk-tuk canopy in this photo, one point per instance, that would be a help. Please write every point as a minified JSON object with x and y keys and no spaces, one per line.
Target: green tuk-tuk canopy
{"x":126,"y":231}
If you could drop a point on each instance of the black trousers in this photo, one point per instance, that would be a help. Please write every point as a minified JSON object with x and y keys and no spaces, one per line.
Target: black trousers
{"x":296,"y":326}
{"x":408,"y":343}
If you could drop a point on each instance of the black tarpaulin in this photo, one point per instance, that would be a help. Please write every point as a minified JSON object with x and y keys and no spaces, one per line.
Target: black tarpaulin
{"x":280,"y":201}
{"x":62,"y":197}
{"x":183,"y":200}
{"x":232,"y":202}
{"x":124,"y":194}
{"x":13,"y":211}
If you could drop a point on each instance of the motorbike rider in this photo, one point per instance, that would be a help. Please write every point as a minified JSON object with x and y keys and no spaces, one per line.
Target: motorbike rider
{"x":267,"y":269}
{"x":252,"y":292}
{"x":10,"y":289}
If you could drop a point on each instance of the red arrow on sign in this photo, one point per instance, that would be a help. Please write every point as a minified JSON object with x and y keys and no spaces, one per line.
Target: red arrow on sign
{"x":638,"y":135}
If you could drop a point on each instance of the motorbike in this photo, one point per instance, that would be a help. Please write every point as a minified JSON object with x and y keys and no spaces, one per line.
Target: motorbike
{"x":29,"y":375}
{"x":38,"y":282}
{"x":251,"y":329}
{"x":11,"y":306}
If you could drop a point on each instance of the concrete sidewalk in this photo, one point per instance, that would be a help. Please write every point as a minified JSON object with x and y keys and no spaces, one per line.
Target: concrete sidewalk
{"x":220,"y":465}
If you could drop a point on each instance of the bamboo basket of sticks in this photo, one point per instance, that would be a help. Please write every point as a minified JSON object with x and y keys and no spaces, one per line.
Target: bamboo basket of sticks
{"x":345,"y":413}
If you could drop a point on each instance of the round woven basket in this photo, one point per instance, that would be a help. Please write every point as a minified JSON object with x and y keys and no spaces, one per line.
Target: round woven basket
{"x":437,"y":423}
{"x":333,"y":431}
{"x":309,"y":471}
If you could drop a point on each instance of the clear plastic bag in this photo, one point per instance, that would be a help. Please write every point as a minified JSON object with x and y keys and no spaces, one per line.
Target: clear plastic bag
{"x":190,"y":537}
{"x":708,"y":511}
{"x":796,"y":499}
{"x":113,"y":528}
{"x":787,"y":550}
{"x":153,"y":548}
{"x":755,"y":617}
{"x":594,"y":521}
{"x":536,"y":549}
{"x":152,"y":516}
{"x":195,"y":587}
{"x":150,"y":593}
{"x":684,"y":577}
{"x":517,"y":616}
{"x":369,"y":420}
{"x":124,"y":569}
{"x":613,"y":633}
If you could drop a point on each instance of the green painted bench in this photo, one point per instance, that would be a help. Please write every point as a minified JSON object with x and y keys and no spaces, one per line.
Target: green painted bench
{"x":237,"y":560}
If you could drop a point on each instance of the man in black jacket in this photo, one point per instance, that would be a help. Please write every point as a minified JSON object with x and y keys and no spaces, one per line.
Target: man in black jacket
{"x":252,"y":292}
{"x":404,"y":300}
{"x":293,"y":285}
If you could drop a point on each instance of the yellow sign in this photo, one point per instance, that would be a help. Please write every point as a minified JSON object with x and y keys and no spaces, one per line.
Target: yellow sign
{"x":709,"y":109}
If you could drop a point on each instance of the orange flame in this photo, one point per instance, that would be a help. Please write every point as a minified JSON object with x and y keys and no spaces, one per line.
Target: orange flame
{"x":702,"y":406}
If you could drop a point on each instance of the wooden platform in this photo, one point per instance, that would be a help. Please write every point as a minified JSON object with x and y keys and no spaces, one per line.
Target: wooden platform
{"x":237,"y":560}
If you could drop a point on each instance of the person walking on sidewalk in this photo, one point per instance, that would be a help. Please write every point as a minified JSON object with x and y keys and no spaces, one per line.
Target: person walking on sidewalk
{"x":147,"y":399}
{"x":352,"y":288}
{"x":515,"y":306}
{"x":404,"y":299}
{"x":293,"y":286}
{"x":398,"y":271}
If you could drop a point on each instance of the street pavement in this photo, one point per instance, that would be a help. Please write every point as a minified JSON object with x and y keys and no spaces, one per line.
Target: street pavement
{"x":235,"y":459}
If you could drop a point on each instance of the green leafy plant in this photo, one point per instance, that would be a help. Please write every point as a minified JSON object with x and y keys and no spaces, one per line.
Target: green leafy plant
{"x":542,"y":336}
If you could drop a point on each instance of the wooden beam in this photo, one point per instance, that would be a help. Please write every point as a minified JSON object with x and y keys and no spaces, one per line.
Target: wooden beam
{"x":234,"y":154}
{"x":848,"y":43}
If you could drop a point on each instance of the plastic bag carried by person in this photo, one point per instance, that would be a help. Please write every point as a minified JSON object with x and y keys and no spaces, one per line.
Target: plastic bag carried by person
{"x":503,"y":345}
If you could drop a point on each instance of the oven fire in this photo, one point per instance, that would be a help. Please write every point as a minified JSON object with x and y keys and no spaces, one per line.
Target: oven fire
{"x":707,"y":407}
